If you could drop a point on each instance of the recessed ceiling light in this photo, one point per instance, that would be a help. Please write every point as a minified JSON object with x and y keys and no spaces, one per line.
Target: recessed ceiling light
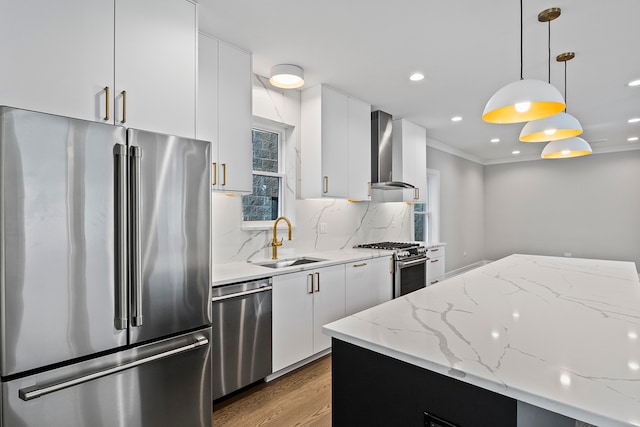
{"x":416,"y":77}
{"x":633,"y":138}
{"x":458,"y":118}
{"x":495,"y":140}
{"x":634,"y":120}
{"x":634,"y":83}
{"x":515,"y":152}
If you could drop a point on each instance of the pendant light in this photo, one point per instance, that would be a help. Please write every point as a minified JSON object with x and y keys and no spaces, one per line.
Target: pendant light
{"x":286,"y":76}
{"x":561,"y":125}
{"x":566,"y":148}
{"x":523,"y":100}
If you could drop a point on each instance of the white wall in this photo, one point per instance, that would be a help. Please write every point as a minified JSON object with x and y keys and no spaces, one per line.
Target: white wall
{"x":348,"y":223}
{"x":589,"y":206}
{"x":461,"y":207}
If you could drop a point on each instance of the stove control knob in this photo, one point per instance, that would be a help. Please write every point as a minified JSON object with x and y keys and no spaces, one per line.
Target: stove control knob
{"x":403,"y":253}
{"x":422,"y":250}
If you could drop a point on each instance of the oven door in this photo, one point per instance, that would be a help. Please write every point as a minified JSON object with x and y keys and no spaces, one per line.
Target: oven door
{"x":410,"y":276}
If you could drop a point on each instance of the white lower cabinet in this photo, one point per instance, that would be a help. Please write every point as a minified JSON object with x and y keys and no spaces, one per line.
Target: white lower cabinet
{"x":302,"y":303}
{"x":436,"y":264}
{"x":368,"y":283}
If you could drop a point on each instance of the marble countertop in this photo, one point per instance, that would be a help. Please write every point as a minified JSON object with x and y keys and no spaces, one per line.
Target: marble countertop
{"x":558,"y":333}
{"x":224,"y":274}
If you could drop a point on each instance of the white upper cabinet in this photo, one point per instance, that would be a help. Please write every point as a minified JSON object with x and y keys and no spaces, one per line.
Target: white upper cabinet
{"x":224,"y":112}
{"x":57,"y":56}
{"x":335,"y":140}
{"x":359,"y":150}
{"x":75,"y":57}
{"x":156,"y":57}
{"x":410,"y":158}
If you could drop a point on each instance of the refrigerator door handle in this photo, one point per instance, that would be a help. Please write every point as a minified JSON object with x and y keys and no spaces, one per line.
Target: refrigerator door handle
{"x":135,"y":205}
{"x":34,"y":392}
{"x":120,"y":182}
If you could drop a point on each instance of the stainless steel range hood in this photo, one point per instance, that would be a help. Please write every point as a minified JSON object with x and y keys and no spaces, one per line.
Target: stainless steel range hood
{"x":382,"y":153}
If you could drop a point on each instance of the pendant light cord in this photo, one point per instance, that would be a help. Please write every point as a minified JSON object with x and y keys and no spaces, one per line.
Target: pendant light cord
{"x":521,"y":44}
{"x":549,"y":48}
{"x":565,"y":87}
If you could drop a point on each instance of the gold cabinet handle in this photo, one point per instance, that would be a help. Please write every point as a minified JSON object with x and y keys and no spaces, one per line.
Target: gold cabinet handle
{"x":124,"y":106}
{"x":434,"y":282}
{"x":435,"y":260}
{"x":416,"y":193}
{"x":362,"y":264}
{"x":369,"y":189}
{"x":317,"y":282}
{"x":326,"y":184}
{"x":215,"y":174}
{"x":224,"y":174}
{"x":107,"y":95}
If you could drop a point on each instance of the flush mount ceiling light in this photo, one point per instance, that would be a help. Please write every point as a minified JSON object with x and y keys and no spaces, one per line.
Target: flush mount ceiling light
{"x":558,"y":126}
{"x":286,"y":76}
{"x":523,"y":100}
{"x":416,"y":77}
{"x":634,"y":83}
{"x":566,"y":148}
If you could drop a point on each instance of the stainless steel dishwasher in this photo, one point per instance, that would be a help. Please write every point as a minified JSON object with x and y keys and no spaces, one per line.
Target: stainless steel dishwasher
{"x":241,"y":341}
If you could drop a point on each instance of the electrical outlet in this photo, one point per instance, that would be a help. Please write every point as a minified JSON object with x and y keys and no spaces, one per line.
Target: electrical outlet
{"x":568,"y":254}
{"x":322,"y":227}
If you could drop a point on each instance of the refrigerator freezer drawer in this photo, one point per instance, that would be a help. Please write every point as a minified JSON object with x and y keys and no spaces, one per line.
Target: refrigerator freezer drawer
{"x":165,"y":383}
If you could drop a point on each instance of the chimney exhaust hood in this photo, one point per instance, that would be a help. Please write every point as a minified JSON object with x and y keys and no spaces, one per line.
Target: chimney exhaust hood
{"x":382,"y":153}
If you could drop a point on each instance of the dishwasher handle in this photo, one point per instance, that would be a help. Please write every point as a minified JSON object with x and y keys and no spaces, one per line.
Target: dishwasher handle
{"x":242,"y":294}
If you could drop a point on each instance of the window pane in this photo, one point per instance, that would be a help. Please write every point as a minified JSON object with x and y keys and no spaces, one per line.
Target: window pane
{"x":418,"y":226}
{"x":265,"y":151}
{"x":263,"y":203}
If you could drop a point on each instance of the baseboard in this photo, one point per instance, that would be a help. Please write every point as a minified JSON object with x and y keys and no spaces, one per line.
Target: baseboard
{"x":297,"y":365}
{"x":466,"y":268}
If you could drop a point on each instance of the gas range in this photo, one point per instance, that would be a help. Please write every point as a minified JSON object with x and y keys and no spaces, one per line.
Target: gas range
{"x":409,"y":265}
{"x":401,"y":251}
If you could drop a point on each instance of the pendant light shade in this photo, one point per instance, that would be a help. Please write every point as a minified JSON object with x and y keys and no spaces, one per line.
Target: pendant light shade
{"x":523,"y":101}
{"x":566,"y":148}
{"x":552,"y":128}
{"x":286,"y":76}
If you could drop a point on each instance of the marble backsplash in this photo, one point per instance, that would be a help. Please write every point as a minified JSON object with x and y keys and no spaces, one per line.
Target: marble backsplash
{"x":347,"y":224}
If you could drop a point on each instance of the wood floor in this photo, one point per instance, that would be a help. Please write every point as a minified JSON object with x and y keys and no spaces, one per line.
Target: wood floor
{"x":300,"y":398}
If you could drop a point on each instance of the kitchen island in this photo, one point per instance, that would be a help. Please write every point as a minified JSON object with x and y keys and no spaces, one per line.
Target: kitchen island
{"x":518,"y":340}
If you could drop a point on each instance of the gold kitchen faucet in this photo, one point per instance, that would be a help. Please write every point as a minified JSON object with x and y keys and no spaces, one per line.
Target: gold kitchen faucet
{"x":275,"y":242}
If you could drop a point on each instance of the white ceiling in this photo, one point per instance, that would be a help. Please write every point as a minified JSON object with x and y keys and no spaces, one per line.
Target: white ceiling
{"x":466,"y":49}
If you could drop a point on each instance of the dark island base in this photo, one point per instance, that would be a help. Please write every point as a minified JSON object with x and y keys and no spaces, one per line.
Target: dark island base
{"x":370,"y":389}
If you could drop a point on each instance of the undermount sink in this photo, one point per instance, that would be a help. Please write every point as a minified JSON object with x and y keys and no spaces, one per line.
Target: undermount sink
{"x":289,"y":262}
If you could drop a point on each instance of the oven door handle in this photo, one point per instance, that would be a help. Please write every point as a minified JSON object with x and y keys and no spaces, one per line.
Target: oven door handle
{"x":403,"y":264}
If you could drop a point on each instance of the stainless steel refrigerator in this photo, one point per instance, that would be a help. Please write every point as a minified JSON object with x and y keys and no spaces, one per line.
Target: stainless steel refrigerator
{"x":105,"y":274}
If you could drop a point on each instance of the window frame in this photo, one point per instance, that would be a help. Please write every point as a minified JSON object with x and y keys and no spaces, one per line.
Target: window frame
{"x":281,"y":130}
{"x":431,"y":211}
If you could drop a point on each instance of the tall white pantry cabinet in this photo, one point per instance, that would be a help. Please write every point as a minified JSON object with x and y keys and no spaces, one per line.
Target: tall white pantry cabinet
{"x":125,"y":62}
{"x":224,"y":112}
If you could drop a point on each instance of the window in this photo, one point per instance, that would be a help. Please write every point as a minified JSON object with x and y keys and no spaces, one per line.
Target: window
{"x":426,"y":219}
{"x":265,"y":203}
